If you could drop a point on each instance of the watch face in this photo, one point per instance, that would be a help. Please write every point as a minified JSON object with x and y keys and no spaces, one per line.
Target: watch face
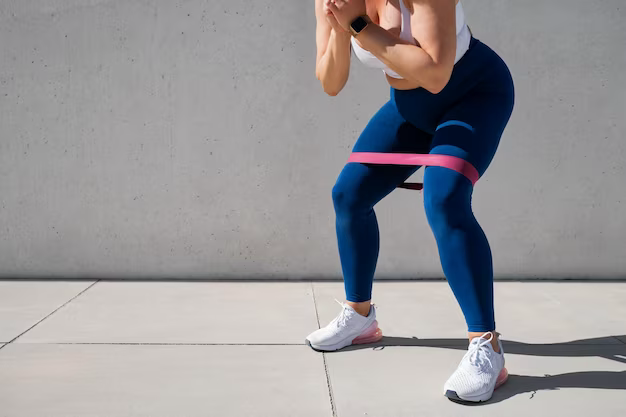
{"x":358,"y":24}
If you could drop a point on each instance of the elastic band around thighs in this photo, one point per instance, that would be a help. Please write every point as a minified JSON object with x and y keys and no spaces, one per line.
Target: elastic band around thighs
{"x":412,"y":159}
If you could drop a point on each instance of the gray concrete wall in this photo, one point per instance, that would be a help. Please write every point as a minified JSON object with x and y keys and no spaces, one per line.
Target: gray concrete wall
{"x":190,"y":139}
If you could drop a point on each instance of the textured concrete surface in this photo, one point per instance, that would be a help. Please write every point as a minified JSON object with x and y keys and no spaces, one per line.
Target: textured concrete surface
{"x":577,"y":311}
{"x":23,"y":304}
{"x":408,"y":381}
{"x":192,"y":312}
{"x":551,"y":313}
{"x":191,"y":139}
{"x":221,"y":367}
{"x":162,"y":381}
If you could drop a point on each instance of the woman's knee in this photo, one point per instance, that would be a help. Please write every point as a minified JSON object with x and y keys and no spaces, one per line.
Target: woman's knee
{"x":345,"y":198}
{"x":447,"y":199}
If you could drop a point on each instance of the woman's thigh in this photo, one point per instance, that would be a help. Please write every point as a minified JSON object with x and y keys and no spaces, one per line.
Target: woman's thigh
{"x":389,"y":132}
{"x":472,"y":128}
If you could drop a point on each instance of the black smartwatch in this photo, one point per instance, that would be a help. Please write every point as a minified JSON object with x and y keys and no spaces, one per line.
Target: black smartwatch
{"x":359,"y":24}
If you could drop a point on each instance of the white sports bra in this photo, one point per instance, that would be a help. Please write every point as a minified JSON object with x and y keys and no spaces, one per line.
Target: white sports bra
{"x":463,"y":37}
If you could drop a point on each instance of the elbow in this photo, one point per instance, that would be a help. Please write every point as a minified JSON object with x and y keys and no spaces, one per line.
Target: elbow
{"x":435,"y":88}
{"x":438,"y":83}
{"x":332,"y":89}
{"x":327,"y":88}
{"x":332,"y":92}
{"x":438,"y":79}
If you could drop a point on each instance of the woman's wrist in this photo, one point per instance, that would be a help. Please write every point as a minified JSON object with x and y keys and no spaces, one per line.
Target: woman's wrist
{"x":366,"y":30}
{"x":342,"y":36}
{"x":342,"y":32}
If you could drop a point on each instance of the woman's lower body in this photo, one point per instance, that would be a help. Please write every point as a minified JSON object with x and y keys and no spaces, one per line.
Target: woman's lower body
{"x":466,"y":120}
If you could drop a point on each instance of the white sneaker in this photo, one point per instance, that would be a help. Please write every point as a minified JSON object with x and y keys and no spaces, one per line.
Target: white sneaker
{"x":480,"y":372}
{"x":348,"y":328}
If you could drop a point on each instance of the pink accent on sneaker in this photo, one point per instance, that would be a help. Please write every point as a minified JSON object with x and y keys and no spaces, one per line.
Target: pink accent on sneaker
{"x":502,"y":377}
{"x":371,"y":335}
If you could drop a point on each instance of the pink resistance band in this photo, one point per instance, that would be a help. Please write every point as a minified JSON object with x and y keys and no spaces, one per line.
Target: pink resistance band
{"x":451,"y":162}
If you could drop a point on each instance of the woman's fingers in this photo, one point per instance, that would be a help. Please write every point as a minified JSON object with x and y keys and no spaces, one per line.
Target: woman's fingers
{"x":333,"y":7}
{"x":327,"y":6}
{"x":334,"y":24}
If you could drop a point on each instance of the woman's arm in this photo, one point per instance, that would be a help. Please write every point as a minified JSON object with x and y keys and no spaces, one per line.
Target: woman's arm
{"x":332,"y":64}
{"x":433,"y":23}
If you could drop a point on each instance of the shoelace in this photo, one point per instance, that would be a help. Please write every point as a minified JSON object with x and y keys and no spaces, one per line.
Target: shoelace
{"x":345,"y":314}
{"x":478,"y":353}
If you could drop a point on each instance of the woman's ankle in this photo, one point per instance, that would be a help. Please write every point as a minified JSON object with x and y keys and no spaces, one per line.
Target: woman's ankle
{"x":494,"y":340}
{"x":363,"y":308}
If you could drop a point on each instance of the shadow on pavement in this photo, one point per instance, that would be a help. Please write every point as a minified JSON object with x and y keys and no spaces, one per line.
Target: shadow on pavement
{"x":605,"y":347}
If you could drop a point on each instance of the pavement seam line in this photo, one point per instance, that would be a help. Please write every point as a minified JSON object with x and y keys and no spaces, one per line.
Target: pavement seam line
{"x":317,"y":316}
{"x":331,"y":395}
{"x":54,"y":311}
{"x":330,"y":387}
{"x":531,"y":280}
{"x":167,"y":344}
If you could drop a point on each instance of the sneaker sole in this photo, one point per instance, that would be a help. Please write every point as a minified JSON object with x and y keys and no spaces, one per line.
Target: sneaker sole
{"x":502,"y":378}
{"x":372,"y":334}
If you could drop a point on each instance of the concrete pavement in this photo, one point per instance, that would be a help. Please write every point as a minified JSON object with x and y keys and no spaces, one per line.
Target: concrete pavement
{"x":236,"y":349}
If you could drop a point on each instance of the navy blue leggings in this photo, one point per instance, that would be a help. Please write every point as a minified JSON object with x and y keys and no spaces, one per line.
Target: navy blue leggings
{"x":466,"y":119}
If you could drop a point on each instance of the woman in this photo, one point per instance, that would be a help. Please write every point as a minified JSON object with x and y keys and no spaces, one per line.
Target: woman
{"x":450,"y":95}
